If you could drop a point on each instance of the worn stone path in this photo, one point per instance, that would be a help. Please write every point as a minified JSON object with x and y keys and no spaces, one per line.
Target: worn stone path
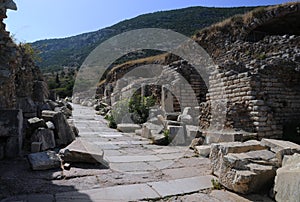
{"x":137,"y":170}
{"x":133,"y":155}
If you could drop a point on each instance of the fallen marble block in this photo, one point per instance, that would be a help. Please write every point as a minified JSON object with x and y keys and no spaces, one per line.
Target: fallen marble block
{"x":44,"y":160}
{"x":81,"y":151}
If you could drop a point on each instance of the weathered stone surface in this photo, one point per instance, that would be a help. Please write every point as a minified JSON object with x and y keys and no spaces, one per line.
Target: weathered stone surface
{"x":36,"y":147}
{"x":215,"y":137}
{"x":247,"y":181}
{"x":148,"y":129}
{"x":187,"y":119}
{"x":46,"y":137}
{"x":281,"y":147}
{"x":172,"y":116}
{"x":159,"y":139}
{"x":197,"y":142}
{"x":128,"y":127}
{"x":82,"y":151}
{"x":62,"y":128}
{"x":39,"y":91}
{"x":177,"y":135}
{"x":50,"y":125}
{"x":247,"y":167}
{"x":192,"y":132}
{"x":44,"y":160}
{"x":241,"y":176}
{"x":155,"y":121}
{"x":241,"y":160}
{"x":203,"y":150}
{"x":9,"y":4}
{"x":278,"y":145}
{"x":35,"y":123}
{"x":287,"y":181}
{"x":218,"y":151}
{"x":138,"y":132}
{"x":154,"y":112}
{"x":11,"y":126}
{"x":29,"y":108}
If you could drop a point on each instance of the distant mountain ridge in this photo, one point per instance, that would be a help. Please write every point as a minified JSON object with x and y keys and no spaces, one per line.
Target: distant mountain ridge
{"x":71,"y":51}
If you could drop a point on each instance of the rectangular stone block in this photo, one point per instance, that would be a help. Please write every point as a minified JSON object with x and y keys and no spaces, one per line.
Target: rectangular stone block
{"x":287,"y":180}
{"x":44,"y":160}
{"x":177,"y":135}
{"x":36,"y":147}
{"x":62,"y":128}
{"x":219,"y":150}
{"x":281,"y":147}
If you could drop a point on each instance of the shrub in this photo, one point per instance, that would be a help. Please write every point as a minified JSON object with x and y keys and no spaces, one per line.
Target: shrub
{"x":111,"y":121}
{"x":139,"y":107}
{"x":216,"y":184}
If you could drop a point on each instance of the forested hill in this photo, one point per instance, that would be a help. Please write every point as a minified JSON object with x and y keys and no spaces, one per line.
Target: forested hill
{"x":71,"y":51}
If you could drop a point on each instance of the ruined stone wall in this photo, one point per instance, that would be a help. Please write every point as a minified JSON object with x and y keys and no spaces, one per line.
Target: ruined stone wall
{"x":8,"y":61}
{"x":261,"y":102}
{"x":22,"y":89}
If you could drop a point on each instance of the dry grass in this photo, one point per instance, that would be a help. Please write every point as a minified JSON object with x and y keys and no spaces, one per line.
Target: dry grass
{"x":147,"y":60}
{"x":234,"y":23}
{"x":158,"y":59}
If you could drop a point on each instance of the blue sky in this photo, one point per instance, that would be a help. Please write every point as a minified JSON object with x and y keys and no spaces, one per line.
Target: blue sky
{"x":44,"y":19}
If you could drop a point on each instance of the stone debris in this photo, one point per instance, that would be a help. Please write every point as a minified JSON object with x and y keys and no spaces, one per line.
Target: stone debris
{"x":150,"y":129}
{"x":44,"y":136}
{"x":36,"y":147}
{"x":218,"y":151}
{"x":248,"y":167}
{"x":197,"y":142}
{"x":128,"y":127}
{"x":50,"y":125}
{"x":44,"y":160}
{"x":281,"y":148}
{"x":192,"y":132}
{"x":81,"y":151}
{"x":287,"y":181}
{"x":35,"y":123}
{"x":203,"y":150}
{"x":62,"y":128}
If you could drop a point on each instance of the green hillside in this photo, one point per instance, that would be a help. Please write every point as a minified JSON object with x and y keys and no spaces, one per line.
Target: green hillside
{"x":71,"y":51}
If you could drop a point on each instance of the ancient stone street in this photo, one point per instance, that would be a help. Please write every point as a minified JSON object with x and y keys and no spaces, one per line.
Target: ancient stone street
{"x":137,"y":170}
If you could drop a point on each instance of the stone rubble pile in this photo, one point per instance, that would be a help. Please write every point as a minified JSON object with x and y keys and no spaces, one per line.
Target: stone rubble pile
{"x":48,"y":132}
{"x":250,"y":167}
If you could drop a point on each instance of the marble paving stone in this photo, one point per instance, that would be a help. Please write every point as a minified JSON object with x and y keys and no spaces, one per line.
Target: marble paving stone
{"x":181,"y":186}
{"x":132,"y":166}
{"x":116,"y":193}
{"x":124,"y":159}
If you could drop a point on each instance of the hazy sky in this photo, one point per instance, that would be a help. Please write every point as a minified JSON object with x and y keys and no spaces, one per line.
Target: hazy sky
{"x":44,"y":19}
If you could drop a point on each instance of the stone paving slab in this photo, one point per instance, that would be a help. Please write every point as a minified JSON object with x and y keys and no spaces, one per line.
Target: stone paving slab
{"x":133,"y":192}
{"x":116,"y":193}
{"x":181,"y":186}
{"x":132,"y":167}
{"x":130,"y":159}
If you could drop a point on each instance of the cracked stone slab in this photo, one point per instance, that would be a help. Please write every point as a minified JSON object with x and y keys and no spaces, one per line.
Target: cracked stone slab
{"x":182,"y":186}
